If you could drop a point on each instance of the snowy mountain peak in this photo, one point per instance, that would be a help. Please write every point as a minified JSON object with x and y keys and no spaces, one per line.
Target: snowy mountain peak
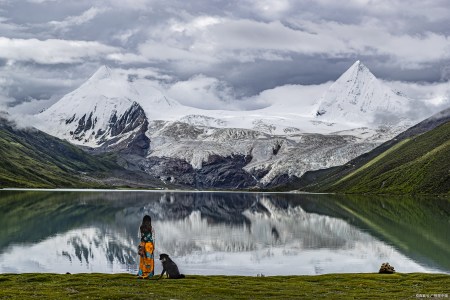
{"x":125,"y":112}
{"x":358,"y":72}
{"x":359,"y":97}
{"x":102,"y":73}
{"x":357,"y":65}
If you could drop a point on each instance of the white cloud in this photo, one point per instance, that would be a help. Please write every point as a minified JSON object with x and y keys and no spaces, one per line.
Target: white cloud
{"x":247,"y":45}
{"x":155,"y":50}
{"x":31,"y":107}
{"x":6,"y":26}
{"x":85,"y":17}
{"x":29,"y":76}
{"x":5,"y":101}
{"x":293,"y":95}
{"x":126,"y":58}
{"x":426,"y":98}
{"x":26,"y":83}
{"x":210,"y":39}
{"x":211,"y":93}
{"x":124,"y":35}
{"x":52,"y":51}
{"x":203,"y":92}
{"x":390,"y":10}
{"x":433,"y":94}
{"x":268,"y":9}
{"x":42,"y":1}
{"x":372,"y":39}
{"x":132,"y":4}
{"x":148,"y":74}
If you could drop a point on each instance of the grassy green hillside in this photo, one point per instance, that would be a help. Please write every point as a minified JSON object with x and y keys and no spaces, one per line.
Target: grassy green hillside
{"x":418,"y":164}
{"x":31,"y":158}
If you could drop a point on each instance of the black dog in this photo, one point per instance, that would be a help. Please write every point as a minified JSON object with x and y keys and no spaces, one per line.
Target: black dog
{"x":169,"y":267}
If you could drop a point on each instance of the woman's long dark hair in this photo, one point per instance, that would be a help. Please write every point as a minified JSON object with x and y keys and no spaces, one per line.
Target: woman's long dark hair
{"x":146,"y":225}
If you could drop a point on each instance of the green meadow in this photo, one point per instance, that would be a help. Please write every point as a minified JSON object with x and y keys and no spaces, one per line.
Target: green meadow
{"x":126,"y":286}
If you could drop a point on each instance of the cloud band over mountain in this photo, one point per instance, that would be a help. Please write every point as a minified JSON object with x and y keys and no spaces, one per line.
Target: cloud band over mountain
{"x":222,"y":54}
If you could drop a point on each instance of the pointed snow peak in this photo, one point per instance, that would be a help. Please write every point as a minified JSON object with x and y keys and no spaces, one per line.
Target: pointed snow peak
{"x":358,"y":65}
{"x":359,"y":97}
{"x":102,"y":73}
{"x":357,"y":70}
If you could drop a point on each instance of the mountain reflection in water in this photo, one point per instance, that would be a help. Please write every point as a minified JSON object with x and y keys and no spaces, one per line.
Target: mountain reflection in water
{"x":221,"y":233}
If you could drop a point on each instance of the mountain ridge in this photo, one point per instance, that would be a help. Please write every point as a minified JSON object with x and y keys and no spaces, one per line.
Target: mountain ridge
{"x":109,"y":90}
{"x":116,"y":112}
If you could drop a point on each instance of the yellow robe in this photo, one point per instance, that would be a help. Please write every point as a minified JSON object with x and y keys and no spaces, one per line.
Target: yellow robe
{"x":146,"y":261}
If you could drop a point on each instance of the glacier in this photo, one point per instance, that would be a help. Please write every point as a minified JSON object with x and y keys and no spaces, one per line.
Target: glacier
{"x":117,"y":111}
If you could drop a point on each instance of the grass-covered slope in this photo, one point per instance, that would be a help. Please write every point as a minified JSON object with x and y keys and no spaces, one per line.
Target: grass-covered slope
{"x":126,"y":286}
{"x":417,"y":164}
{"x":31,"y":158}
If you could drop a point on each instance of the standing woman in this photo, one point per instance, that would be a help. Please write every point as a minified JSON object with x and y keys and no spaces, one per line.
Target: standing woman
{"x":145,"y":250}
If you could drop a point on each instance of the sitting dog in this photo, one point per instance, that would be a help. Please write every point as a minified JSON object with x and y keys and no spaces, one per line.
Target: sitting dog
{"x":169,"y":267}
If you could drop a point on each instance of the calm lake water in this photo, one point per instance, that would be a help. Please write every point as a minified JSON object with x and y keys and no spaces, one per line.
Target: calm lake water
{"x":223,"y":233}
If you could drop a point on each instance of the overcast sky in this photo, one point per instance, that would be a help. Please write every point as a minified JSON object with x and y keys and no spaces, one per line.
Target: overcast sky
{"x":226,"y":50}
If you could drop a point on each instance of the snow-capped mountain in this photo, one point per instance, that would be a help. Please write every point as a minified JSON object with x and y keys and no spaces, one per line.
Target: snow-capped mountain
{"x":359,"y":97}
{"x":106,"y":110}
{"x":88,"y":115}
{"x":118,"y":111}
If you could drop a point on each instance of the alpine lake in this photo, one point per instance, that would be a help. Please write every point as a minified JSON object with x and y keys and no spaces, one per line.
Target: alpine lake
{"x":223,"y":233}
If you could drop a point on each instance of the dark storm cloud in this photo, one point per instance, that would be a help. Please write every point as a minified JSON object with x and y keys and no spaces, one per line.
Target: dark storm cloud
{"x":48,"y":47}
